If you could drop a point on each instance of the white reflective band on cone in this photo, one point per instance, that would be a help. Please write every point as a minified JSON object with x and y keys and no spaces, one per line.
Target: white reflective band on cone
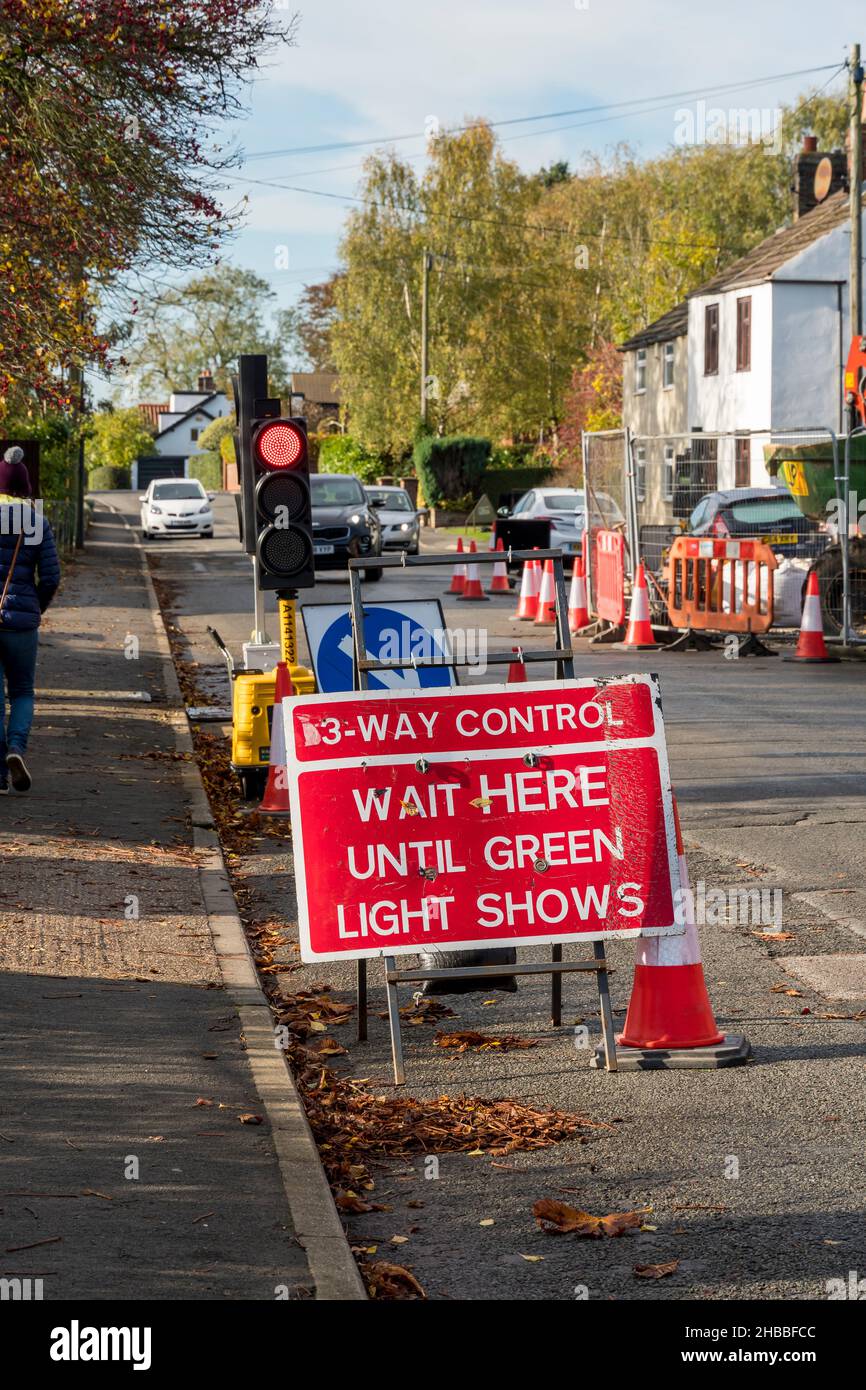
{"x":674,"y":950}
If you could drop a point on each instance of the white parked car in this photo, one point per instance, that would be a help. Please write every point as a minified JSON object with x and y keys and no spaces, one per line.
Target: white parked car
{"x":176,"y":507}
{"x":397,"y":517}
{"x":564,"y":508}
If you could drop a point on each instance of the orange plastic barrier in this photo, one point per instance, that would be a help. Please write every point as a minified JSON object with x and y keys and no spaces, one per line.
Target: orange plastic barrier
{"x":609,"y":577}
{"x":720,"y":585}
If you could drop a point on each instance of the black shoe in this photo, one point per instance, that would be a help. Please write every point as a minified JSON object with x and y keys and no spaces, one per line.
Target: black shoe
{"x":18,"y":774}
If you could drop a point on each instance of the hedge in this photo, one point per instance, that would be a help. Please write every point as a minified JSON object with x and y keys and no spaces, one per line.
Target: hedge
{"x":498,"y":481}
{"x":207,"y":467}
{"x":108,"y":477}
{"x":450,"y":466}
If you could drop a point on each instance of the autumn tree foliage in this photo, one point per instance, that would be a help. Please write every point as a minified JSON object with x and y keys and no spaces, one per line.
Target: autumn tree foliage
{"x":109,"y":160}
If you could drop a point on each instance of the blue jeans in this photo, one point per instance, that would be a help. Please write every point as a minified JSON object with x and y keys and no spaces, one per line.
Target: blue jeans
{"x":18,"y":665}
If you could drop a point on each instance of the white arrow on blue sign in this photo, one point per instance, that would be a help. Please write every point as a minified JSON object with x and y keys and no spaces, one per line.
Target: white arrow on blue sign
{"x":392,"y":631}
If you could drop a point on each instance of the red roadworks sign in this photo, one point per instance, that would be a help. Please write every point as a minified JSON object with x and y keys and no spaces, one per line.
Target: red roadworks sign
{"x":480,"y":816}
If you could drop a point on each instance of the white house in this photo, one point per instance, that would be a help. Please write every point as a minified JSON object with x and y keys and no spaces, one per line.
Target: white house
{"x":180,"y":423}
{"x":768,"y":339}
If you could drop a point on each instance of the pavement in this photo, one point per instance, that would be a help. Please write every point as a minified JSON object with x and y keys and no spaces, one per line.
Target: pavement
{"x":130,"y":1036}
{"x":753,"y":1176}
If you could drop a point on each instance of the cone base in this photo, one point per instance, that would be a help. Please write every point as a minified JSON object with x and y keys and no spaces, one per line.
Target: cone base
{"x":811,"y":660}
{"x":637,"y":646}
{"x":733,"y":1050}
{"x":473,"y":598}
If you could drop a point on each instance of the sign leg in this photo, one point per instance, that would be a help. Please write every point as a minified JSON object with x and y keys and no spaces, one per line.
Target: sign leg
{"x":394,"y":1021}
{"x":361,"y":993}
{"x":607,"y":1028}
{"x":556,"y":988}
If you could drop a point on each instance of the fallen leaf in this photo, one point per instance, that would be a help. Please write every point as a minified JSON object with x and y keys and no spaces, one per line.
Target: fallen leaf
{"x":488,"y":1221}
{"x":350,"y":1201}
{"x":399,"y":1240}
{"x":385,"y":1280}
{"x":250,"y":1119}
{"x":558,"y":1217}
{"x":532,"y":1259}
{"x":774,"y":935}
{"x":655,"y":1271}
{"x":482,"y":1042}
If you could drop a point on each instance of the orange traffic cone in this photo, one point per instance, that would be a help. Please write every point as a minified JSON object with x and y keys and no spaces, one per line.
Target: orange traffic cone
{"x":472,"y":588}
{"x":811,"y":645}
{"x":530,"y":584}
{"x":499,"y":583}
{"x":517,"y":669}
{"x":639,"y":634}
{"x":670,"y":1020}
{"x":545,"y":615}
{"x":275,"y":801}
{"x":458,"y":578}
{"x":578,"y":613}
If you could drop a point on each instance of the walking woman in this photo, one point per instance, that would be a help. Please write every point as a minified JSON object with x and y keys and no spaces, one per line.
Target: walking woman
{"x":29,"y":578}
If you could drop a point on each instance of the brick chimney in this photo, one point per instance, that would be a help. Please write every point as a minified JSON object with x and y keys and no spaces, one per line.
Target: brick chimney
{"x":808,"y":191}
{"x":206,"y":381}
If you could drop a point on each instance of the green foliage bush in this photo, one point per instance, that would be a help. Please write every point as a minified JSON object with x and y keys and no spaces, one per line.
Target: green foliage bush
{"x":207,"y":467}
{"x":450,"y":466}
{"x":108,"y":477}
{"x":340,"y":453}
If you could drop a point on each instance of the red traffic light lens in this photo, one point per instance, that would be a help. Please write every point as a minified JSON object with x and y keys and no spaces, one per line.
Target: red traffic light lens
{"x":280,"y":445}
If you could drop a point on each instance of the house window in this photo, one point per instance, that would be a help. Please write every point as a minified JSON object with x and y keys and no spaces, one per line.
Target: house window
{"x":744,"y":334}
{"x":742,"y":461}
{"x":640,"y":473}
{"x":193,"y":434}
{"x":668,"y":476}
{"x":668,"y":365}
{"x":640,"y":371}
{"x":711,"y":340}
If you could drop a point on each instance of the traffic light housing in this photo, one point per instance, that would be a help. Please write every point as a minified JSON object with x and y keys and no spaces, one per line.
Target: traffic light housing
{"x":284,"y":522}
{"x":274,"y":509}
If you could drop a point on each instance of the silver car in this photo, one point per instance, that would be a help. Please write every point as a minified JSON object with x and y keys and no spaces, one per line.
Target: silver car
{"x":397,"y":517}
{"x":564,"y":508}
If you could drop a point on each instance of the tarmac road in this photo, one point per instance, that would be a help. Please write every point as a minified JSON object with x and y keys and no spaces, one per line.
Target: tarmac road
{"x":756,"y":1174}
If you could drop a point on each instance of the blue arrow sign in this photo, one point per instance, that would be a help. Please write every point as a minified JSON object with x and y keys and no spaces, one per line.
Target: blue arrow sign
{"x":392,"y":631}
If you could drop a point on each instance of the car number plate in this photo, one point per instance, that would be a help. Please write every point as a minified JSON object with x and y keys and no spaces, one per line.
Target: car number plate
{"x":320,"y":549}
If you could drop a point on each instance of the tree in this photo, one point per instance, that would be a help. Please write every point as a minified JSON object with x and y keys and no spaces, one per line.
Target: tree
{"x":115,"y":439}
{"x":109,"y":113}
{"x":207,"y":323}
{"x":314,"y":321}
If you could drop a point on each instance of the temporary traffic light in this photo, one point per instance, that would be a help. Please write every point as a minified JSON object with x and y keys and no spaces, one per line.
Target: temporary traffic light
{"x":284,"y":539}
{"x":274,"y":499}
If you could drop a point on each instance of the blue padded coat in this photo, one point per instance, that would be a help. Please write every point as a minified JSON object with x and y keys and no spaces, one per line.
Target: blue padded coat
{"x":36,"y":574}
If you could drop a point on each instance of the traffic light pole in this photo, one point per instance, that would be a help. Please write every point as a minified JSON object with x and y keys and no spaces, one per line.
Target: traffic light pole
{"x":287,"y":605}
{"x":259,"y":630}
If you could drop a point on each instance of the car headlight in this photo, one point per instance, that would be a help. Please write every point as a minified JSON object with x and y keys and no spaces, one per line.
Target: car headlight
{"x":404,"y":526}
{"x":156,"y":511}
{"x":356,"y":518}
{"x":205,"y":508}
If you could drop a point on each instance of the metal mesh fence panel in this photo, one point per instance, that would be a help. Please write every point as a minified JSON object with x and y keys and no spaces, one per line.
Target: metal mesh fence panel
{"x":605,"y":483}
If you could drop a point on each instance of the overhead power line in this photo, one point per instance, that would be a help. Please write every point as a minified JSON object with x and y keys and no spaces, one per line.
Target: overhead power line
{"x":551,"y":115}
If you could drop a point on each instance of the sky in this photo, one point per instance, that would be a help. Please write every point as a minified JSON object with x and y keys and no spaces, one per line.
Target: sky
{"x":368,"y":73}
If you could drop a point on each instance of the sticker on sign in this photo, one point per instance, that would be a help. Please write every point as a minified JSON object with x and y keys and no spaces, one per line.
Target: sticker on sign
{"x":491,"y":815}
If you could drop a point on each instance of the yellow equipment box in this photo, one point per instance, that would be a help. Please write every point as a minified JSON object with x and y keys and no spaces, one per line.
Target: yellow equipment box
{"x":252,"y":722}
